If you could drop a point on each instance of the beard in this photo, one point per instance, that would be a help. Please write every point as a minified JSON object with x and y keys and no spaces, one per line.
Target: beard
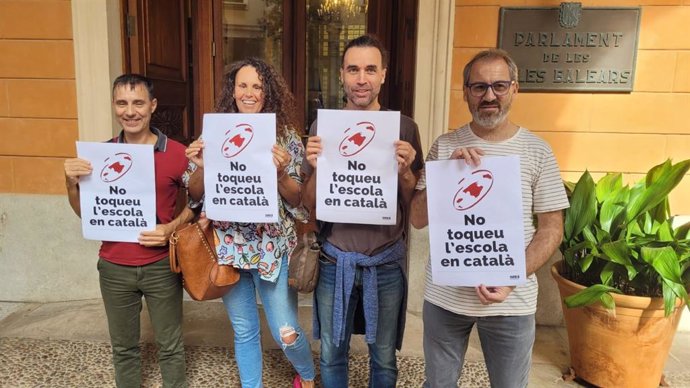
{"x":490,"y":119}
{"x":361,"y":102}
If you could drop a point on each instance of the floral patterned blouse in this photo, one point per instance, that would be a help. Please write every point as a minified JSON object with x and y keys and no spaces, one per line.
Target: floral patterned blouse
{"x":261,"y":246}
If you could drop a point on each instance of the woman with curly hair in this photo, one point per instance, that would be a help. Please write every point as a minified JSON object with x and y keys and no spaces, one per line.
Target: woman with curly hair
{"x":261,"y":251}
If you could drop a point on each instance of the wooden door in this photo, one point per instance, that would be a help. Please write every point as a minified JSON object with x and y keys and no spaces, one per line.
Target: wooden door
{"x":395,"y":22}
{"x":157,"y":47}
{"x":177,"y":43}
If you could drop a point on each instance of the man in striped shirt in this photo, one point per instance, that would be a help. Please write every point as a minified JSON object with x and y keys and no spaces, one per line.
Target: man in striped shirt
{"x":504,"y":315}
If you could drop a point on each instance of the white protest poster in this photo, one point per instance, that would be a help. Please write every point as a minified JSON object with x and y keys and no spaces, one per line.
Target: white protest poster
{"x":357,"y":174}
{"x":118,"y":199}
{"x":240,"y":179}
{"x":476,"y":231}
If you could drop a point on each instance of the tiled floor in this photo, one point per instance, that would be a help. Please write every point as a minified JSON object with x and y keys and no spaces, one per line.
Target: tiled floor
{"x":66,"y":345}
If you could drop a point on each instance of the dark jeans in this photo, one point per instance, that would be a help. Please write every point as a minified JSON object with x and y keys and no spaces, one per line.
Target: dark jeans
{"x":122,"y":288}
{"x":382,"y":362}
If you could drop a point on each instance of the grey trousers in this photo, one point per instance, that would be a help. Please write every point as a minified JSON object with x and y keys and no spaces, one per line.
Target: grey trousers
{"x":506,"y":343}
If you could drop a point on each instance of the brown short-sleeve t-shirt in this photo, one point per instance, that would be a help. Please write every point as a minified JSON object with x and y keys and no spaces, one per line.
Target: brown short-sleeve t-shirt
{"x":371,"y":239}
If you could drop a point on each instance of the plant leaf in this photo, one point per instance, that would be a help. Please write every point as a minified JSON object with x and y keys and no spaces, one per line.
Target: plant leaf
{"x":608,"y":214}
{"x":661,"y":212}
{"x":669,"y":298}
{"x":634,"y":230}
{"x":682,"y":231}
{"x":671,"y":291}
{"x":648,"y":224}
{"x":571,"y":253}
{"x":606,"y":274}
{"x":586,"y":262}
{"x":593,"y":294}
{"x":569,"y":187}
{"x":619,"y":253}
{"x":660,"y":181}
{"x":583,"y":206}
{"x":622,"y":197}
{"x":608,"y":302}
{"x":608,"y":185}
{"x":589,"y":236}
{"x":665,"y":232}
{"x":665,"y":262}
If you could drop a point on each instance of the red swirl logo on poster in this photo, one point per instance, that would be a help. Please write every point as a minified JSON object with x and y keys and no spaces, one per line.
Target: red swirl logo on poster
{"x":473,"y":189}
{"x":237,"y":139}
{"x":116,"y":167}
{"x":357,"y":138}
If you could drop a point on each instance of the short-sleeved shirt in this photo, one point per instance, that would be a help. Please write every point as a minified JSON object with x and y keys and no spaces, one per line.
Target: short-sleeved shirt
{"x":542,"y":191}
{"x":170,"y":163}
{"x":371,"y":239}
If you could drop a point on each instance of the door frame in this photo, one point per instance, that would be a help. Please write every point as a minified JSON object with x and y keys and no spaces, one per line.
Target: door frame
{"x":295,"y":26}
{"x":203,"y":60}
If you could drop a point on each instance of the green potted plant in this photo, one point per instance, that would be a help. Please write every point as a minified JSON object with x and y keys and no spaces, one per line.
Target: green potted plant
{"x":624,"y":276}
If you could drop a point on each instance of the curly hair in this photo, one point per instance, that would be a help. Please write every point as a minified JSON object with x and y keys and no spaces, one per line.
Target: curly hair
{"x":277,"y":97}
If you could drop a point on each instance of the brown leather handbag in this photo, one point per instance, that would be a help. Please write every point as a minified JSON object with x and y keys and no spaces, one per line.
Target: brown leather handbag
{"x":303,"y":270}
{"x":193,"y":253}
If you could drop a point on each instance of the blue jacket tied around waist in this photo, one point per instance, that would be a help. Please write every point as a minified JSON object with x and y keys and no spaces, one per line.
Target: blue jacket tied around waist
{"x":346,"y":268}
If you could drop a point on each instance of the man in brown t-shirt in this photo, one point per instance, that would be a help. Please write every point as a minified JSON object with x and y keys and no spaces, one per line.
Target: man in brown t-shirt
{"x":371,"y":257}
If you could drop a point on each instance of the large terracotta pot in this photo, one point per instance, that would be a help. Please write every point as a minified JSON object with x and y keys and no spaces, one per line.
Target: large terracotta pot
{"x":625,"y":350}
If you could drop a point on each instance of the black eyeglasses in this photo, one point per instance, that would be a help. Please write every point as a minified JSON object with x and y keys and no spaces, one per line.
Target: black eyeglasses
{"x":500,"y":88}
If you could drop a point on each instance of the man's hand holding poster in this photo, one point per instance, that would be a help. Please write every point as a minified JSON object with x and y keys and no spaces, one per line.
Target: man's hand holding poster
{"x":118,"y":200}
{"x":240,"y":179}
{"x":357,"y":174}
{"x":476,"y":230}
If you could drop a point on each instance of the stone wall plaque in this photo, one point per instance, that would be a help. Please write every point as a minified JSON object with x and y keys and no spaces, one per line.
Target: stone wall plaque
{"x":572,"y":48}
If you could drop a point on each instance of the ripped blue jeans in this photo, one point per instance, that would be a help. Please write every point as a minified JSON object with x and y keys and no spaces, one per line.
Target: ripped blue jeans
{"x":280,"y":306}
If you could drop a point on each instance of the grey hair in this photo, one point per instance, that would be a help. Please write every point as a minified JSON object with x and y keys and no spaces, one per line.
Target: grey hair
{"x":490,"y":54}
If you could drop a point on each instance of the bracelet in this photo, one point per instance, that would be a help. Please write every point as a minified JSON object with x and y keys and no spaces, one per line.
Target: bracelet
{"x":282,"y":175}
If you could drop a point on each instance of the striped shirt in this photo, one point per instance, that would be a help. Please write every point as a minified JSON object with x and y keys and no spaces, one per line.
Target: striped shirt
{"x":542,"y":191}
